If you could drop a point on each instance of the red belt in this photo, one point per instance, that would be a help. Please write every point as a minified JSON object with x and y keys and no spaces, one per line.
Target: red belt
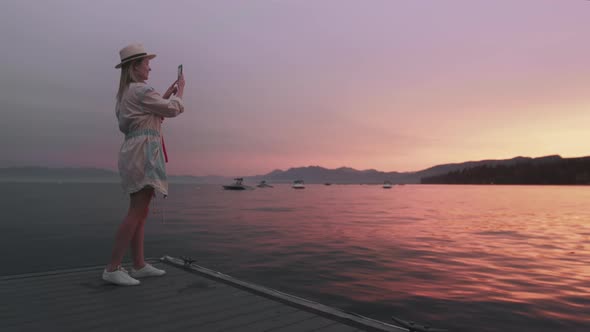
{"x":164,"y":146}
{"x":164,"y":149}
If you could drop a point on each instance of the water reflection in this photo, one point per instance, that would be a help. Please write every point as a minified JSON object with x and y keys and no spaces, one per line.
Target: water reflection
{"x":520,"y":253}
{"x":467,"y":258}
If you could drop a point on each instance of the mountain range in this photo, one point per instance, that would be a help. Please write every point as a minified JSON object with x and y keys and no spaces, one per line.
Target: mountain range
{"x":345,"y":175}
{"x":310,"y":174}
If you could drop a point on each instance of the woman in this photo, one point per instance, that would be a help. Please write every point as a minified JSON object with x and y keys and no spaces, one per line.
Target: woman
{"x":140,"y":111}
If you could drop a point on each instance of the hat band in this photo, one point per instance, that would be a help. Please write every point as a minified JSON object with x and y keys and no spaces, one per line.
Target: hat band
{"x":133,"y":56}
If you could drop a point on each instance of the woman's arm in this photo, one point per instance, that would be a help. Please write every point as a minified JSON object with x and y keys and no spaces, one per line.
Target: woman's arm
{"x":153,"y":103}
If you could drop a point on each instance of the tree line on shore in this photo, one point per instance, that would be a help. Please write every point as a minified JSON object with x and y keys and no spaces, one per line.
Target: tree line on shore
{"x":567,"y":171}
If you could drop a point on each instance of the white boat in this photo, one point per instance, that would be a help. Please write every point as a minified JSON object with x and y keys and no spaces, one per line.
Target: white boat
{"x":237,"y":185}
{"x":298,"y":184}
{"x":387,"y":185}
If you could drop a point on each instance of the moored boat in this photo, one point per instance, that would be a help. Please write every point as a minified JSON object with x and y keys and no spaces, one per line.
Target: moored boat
{"x":237,"y":185}
{"x":298,"y":184}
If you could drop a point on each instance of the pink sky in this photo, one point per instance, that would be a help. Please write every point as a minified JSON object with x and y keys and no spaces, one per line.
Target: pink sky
{"x":391,"y":85}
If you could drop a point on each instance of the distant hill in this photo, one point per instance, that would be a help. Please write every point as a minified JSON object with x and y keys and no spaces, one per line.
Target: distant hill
{"x":310,"y":174}
{"x":34,"y":173}
{"x":547,"y":170}
{"x":443,"y":169}
{"x":345,"y":175}
{"x":317,"y":174}
{"x":209,"y":179}
{"x":83,"y":174}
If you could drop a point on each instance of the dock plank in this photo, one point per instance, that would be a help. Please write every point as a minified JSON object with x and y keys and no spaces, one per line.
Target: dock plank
{"x":98,"y":296}
{"x":193,"y":313}
{"x":127,"y":307}
{"x":285,"y":319}
{"x":248,"y":321}
{"x":80,"y":312}
{"x":312,"y":324}
{"x":185,"y":299}
{"x":216,"y":320}
{"x":337,"y":328}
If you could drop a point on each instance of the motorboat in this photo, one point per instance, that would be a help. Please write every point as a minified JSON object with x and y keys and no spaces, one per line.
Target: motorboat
{"x":263,"y":184}
{"x":298,"y":184}
{"x":387,"y":185}
{"x":237,"y":185}
{"x":327,"y":184}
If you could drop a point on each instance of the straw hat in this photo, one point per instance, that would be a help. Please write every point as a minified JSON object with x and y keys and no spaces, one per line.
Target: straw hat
{"x":133,"y":52}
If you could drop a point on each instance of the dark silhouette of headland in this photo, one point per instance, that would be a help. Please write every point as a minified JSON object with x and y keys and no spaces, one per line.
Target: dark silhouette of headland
{"x":550,"y":170}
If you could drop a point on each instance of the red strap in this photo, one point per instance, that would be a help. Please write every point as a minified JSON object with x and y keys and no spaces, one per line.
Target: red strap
{"x":164,"y":148}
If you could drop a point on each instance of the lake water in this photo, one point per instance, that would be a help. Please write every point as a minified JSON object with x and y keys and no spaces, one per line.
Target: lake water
{"x":466,"y":258}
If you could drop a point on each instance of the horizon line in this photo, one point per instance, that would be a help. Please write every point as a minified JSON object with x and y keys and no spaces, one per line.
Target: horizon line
{"x":286,"y":169}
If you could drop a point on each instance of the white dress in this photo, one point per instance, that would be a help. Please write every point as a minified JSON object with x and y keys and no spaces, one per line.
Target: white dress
{"x":141,"y":158}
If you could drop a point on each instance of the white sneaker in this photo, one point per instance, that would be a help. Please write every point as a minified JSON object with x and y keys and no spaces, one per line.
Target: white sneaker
{"x":119,"y":277}
{"x":147,"y":271}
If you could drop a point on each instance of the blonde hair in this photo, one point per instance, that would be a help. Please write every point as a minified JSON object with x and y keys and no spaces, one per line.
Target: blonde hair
{"x":127,"y":77}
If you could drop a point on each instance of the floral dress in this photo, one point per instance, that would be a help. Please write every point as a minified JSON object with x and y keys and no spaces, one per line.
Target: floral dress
{"x":141,"y":158}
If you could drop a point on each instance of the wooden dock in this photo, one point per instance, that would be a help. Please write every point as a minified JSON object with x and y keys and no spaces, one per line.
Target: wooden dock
{"x":188,"y":298}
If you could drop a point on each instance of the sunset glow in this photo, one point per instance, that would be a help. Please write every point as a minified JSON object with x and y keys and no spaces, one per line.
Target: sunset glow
{"x":390,"y":85}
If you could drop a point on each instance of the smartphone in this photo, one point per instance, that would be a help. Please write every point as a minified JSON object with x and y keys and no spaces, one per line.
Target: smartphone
{"x":179,"y":71}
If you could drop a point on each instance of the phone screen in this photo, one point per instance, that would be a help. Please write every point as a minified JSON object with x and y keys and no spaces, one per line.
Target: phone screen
{"x":179,"y":71}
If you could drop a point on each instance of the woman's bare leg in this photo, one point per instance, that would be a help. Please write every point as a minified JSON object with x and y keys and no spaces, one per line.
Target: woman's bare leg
{"x":137,"y":245}
{"x":138,"y":209}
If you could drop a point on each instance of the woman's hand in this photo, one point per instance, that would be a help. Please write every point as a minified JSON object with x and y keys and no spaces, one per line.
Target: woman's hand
{"x":172,"y":89}
{"x":180,"y":83}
